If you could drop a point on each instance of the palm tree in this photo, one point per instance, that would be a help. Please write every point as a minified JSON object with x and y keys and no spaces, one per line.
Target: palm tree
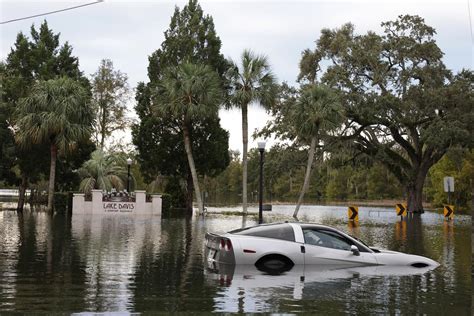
{"x":103,"y":171}
{"x":317,"y":112}
{"x":56,"y":113}
{"x":253,"y":81}
{"x":189,"y":92}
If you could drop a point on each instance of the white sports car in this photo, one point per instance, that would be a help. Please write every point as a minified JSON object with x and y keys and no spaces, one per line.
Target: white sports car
{"x":278,"y":247}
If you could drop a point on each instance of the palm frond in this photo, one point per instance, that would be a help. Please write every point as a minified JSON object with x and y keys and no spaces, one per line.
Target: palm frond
{"x":253,"y":81}
{"x":56,"y":111}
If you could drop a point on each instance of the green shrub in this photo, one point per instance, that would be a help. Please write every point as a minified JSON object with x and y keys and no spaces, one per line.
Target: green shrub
{"x":176,"y":193}
{"x":62,"y":202}
{"x":169,"y":210}
{"x":165,"y":203}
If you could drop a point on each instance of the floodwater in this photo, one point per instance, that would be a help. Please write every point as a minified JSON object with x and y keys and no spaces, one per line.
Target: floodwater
{"x":145,"y":264}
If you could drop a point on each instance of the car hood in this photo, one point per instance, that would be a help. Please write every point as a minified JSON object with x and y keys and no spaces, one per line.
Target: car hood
{"x":388,"y":257}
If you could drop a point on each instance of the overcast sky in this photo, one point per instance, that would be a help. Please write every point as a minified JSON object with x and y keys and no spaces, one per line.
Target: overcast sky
{"x":127,"y":32}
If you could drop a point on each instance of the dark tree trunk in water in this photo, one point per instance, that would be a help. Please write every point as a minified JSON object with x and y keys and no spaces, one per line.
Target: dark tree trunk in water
{"x":414,"y":200}
{"x":22,"y":193}
{"x":189,"y":195}
{"x":415,"y":192}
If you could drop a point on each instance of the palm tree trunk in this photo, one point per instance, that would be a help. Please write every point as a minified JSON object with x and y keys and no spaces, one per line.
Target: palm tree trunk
{"x":189,"y":153}
{"x":312,"y":149}
{"x":52,"y":175}
{"x":189,"y":194}
{"x":244,"y":157}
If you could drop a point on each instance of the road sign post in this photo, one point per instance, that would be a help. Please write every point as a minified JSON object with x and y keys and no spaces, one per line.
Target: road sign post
{"x":448,"y":186}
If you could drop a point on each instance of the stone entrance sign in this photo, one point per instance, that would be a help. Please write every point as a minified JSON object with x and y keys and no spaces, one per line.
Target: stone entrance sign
{"x":101,"y":205}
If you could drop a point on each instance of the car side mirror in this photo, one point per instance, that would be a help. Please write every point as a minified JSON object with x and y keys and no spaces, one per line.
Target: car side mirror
{"x":355,"y":250}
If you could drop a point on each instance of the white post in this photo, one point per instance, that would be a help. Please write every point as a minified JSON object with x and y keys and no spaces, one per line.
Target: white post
{"x":156,"y":204}
{"x":78,"y":203}
{"x":97,"y":202}
{"x":140,"y":200}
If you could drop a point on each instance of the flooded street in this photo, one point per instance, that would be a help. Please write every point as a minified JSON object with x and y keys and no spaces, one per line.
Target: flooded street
{"x":149,"y":264}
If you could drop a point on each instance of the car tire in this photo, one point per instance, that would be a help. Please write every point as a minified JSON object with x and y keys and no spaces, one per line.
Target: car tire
{"x":274,"y":264}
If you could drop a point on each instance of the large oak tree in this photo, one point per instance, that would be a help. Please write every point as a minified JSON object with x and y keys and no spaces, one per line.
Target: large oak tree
{"x":404,"y":108}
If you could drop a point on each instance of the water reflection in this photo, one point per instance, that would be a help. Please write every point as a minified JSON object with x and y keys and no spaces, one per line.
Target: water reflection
{"x":39,"y":263}
{"x":109,"y":248}
{"x":9,"y":244}
{"x":149,"y":264}
{"x":176,"y":275}
{"x":242,"y":286}
{"x":353,"y":228}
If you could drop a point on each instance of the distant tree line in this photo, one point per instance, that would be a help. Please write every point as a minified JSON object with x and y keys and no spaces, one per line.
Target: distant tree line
{"x":336,"y":180}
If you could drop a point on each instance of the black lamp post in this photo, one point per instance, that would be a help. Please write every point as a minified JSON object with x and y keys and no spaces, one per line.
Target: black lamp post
{"x":129,"y":163}
{"x":261,"y":149}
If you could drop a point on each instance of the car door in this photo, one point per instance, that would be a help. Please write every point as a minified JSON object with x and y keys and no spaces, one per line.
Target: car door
{"x":254,"y":243}
{"x":328,"y":247}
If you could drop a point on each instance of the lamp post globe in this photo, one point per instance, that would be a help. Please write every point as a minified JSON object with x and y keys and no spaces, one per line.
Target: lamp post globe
{"x":261,"y":149}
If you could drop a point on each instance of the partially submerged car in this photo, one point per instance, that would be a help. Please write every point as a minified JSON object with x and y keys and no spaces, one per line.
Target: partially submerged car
{"x":278,"y":247}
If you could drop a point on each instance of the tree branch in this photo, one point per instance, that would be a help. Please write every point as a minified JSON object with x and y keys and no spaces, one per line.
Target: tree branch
{"x":405,"y":144}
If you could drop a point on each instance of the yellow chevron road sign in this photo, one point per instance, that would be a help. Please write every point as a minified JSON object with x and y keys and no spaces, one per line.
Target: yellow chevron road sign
{"x":401,"y":209}
{"x":449,"y":211}
{"x":353,"y":213}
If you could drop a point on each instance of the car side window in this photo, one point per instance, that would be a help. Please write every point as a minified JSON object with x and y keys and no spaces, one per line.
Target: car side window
{"x":277,"y":231}
{"x":326,"y":238}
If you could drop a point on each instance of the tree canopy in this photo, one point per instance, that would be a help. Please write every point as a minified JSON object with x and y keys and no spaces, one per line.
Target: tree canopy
{"x":56,"y":112}
{"x":189,"y":92}
{"x":34,"y":59}
{"x":316,"y":113}
{"x":110,"y":94}
{"x":404,"y":108}
{"x":103,"y":171}
{"x":252,"y":81}
{"x":190,"y":38}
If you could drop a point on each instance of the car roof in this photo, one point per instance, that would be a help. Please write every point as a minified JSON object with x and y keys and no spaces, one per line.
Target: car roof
{"x":315,"y":225}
